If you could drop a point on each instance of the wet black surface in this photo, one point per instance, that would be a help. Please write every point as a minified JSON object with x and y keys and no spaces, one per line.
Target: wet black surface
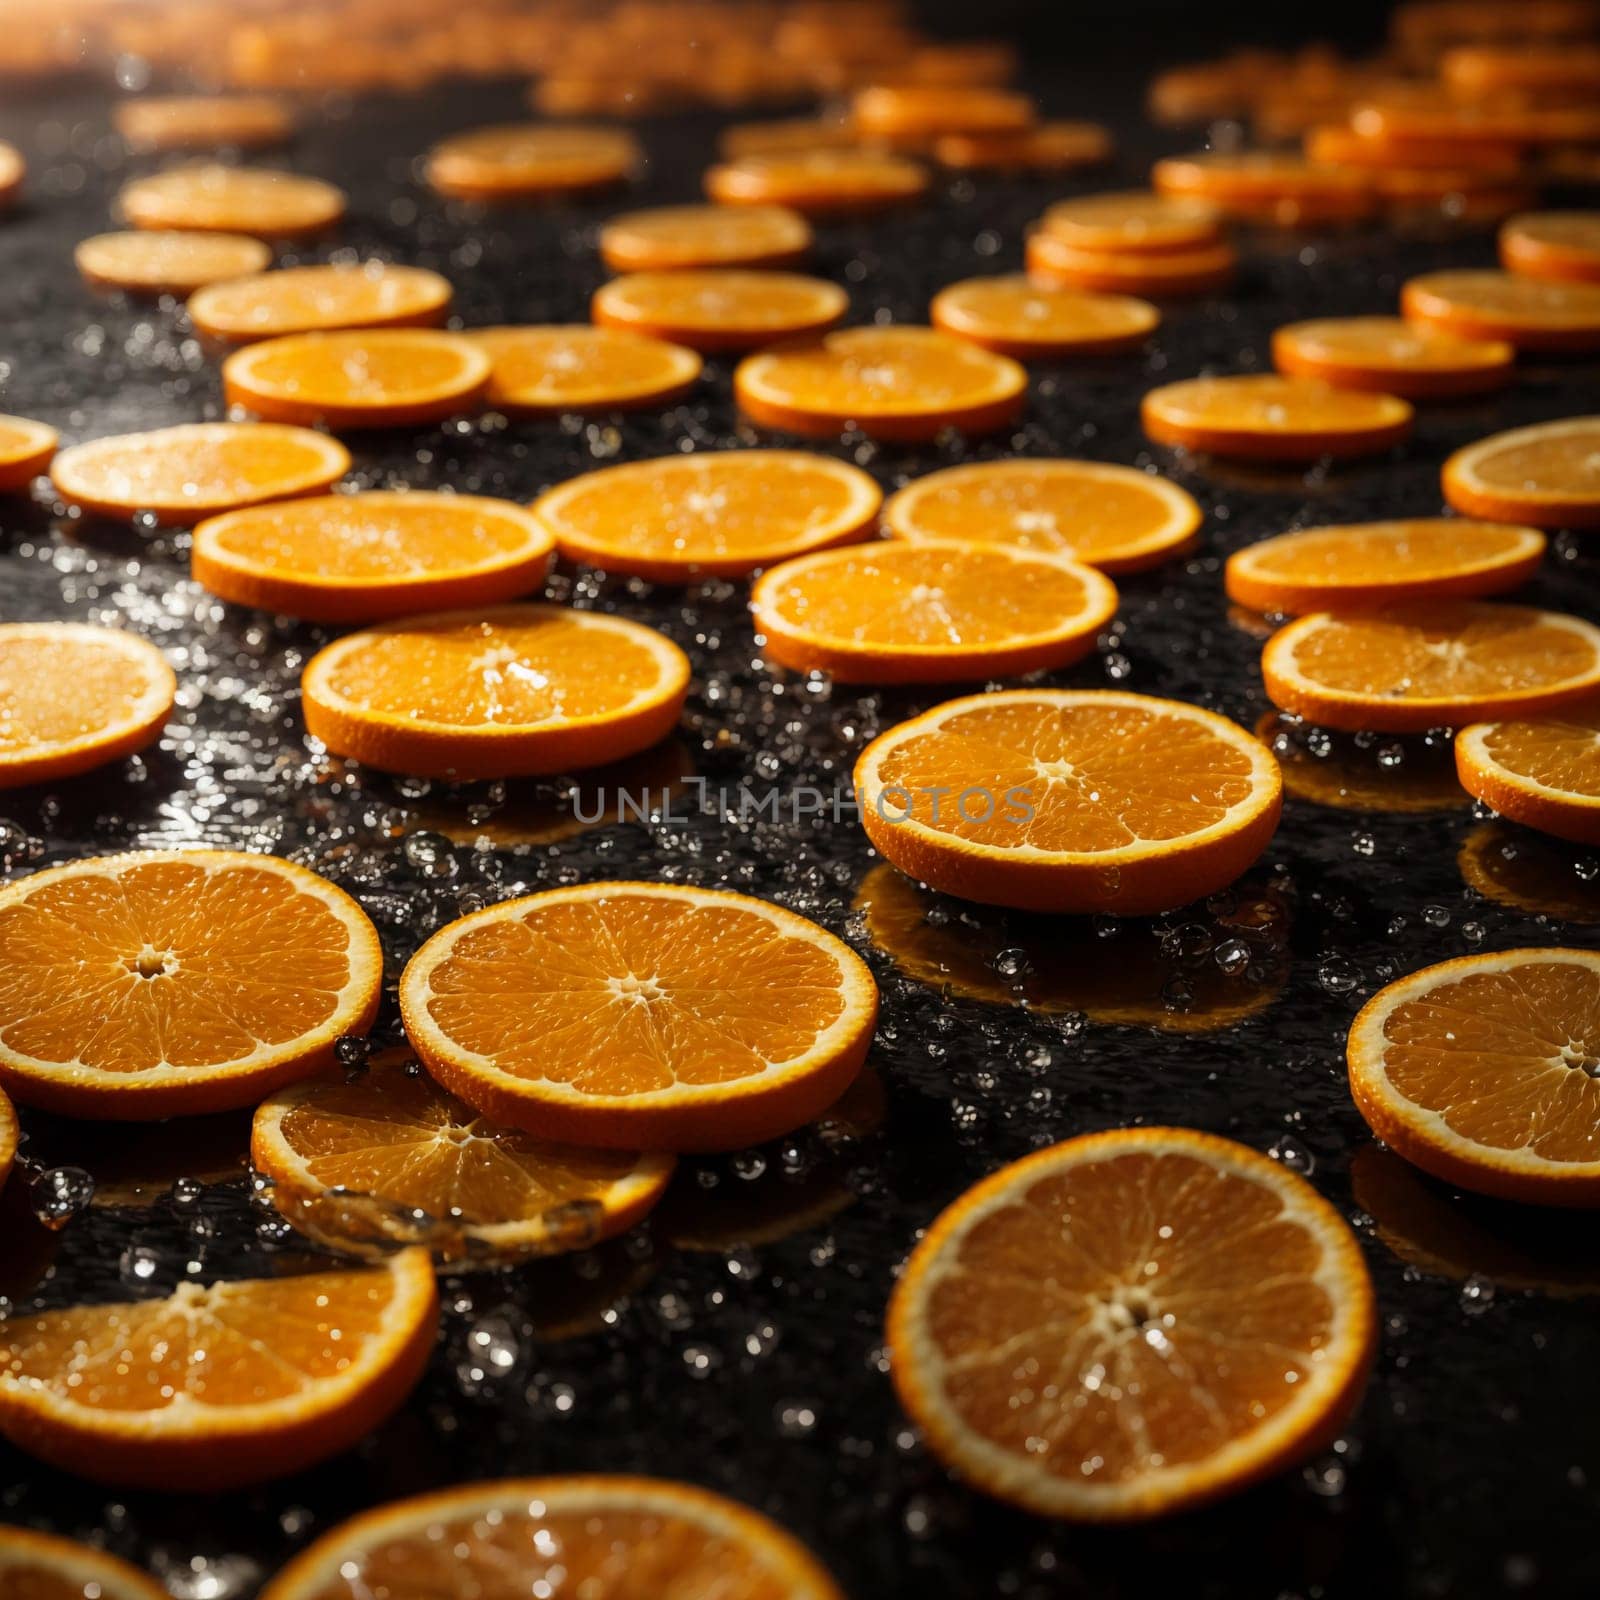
{"x":748,"y":1354}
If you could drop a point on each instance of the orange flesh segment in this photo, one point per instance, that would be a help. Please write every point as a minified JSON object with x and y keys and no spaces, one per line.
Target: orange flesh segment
{"x":1015,"y":316}
{"x":562,"y":368}
{"x":169,"y":263}
{"x":305,"y":299}
{"x":720,"y":308}
{"x":218,"y":199}
{"x":669,"y":237}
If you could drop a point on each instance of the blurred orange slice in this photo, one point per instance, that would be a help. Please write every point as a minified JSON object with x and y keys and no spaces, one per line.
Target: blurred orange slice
{"x":1166,"y":274}
{"x":26,"y":450}
{"x":1261,"y":417}
{"x":203,"y":122}
{"x":712,"y":309}
{"x":210,"y":198}
{"x":1547,"y":475}
{"x":1545,"y":775}
{"x":1525,"y":312}
{"x":368,"y":294}
{"x":1561,"y":246}
{"x":1015,"y":316}
{"x":558,"y":367}
{"x":1049,"y":147}
{"x":39,"y":1566}
{"x":668,"y":238}
{"x":13,"y":169}
{"x":530,"y":160}
{"x":920,"y":111}
{"x":1391,"y":356}
{"x":1132,"y":222}
{"x":1274,"y":186}
{"x":168,"y":263}
{"x":819,"y":183}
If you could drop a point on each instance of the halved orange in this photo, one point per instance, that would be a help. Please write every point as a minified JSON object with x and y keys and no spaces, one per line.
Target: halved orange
{"x":1360,"y":565}
{"x":378,"y":378}
{"x":517,"y":161}
{"x":921,"y":111}
{"x":26,"y":450}
{"x":171,"y":983}
{"x":39,"y":1566}
{"x":372,"y":556}
{"x":821,"y":183}
{"x":562,"y":367}
{"x":1165,"y":274}
{"x":1485,"y":1071}
{"x":1563,"y":246}
{"x":1547,"y":475}
{"x":73,"y":698}
{"x":1431,"y":664}
{"x":1132,"y":1323}
{"x":904,"y":384}
{"x":209,"y":198}
{"x":665,"y":238}
{"x":639,"y":1016}
{"x":1277,"y":186}
{"x":717,"y":308}
{"x":590,"y":1535}
{"x":1070,"y":800}
{"x":1049,"y":147}
{"x":1545,"y":774}
{"x":203,"y":122}
{"x":196,"y":469}
{"x":392,"y":1156}
{"x":1018,"y":317}
{"x":511,"y":691}
{"x":168,"y":263}
{"x":1113,"y":518}
{"x":217,"y":1387}
{"x":1391,"y":356}
{"x":1528,"y":313}
{"x":712,"y":513}
{"x":1133,"y":222}
{"x":367,"y":294}
{"x":1263,"y":417}
{"x":899,"y":612}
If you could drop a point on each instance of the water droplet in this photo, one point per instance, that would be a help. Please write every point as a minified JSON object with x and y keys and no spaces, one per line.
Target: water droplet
{"x":429,"y":855}
{"x":1477,"y":1295}
{"x":1293,"y":1155}
{"x":59,"y":1194}
{"x":1338,"y":974}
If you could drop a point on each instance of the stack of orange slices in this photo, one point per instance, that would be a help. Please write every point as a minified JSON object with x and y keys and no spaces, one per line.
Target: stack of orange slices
{"x":1135,"y":243}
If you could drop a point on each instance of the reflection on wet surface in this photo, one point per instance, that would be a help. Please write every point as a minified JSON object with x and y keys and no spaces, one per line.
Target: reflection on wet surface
{"x":1396,"y":773}
{"x":1532,"y":872}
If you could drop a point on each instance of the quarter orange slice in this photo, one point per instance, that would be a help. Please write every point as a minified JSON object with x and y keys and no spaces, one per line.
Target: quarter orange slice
{"x":667,"y":238}
{"x":213,"y":1388}
{"x":1545,"y":775}
{"x":1562,"y":246}
{"x":714,"y":513}
{"x":1391,"y":356}
{"x":39,"y":1566}
{"x":1166,"y":274}
{"x":1131,"y":1324}
{"x":900,"y":612}
{"x":369,"y":294}
{"x":392,"y":1156}
{"x":594,"y":1536}
{"x":1017,"y":317}
{"x":713,"y":309}
{"x":1547,"y":475}
{"x":531,"y":160}
{"x":185,"y":473}
{"x":74,"y":697}
{"x":1070,"y":800}
{"x":903,"y":384}
{"x":168,"y":263}
{"x":1109,"y":517}
{"x":1362,"y":565}
{"x":369,"y":557}
{"x":639,"y":1016}
{"x":514,"y":691}
{"x":208,"y":198}
{"x":1261,"y":417}
{"x":203,"y":122}
{"x":1525,"y":312}
{"x":819,"y":183}
{"x":1133,"y":222}
{"x":539,"y":370}
{"x":1483,"y":1071}
{"x":382,"y":378}
{"x":1266,"y":186}
{"x":1431,"y":664}
{"x":171,"y":983}
{"x":26,"y":450}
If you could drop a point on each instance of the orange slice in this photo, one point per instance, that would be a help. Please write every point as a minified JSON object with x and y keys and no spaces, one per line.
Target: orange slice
{"x":640,"y":1016}
{"x":1430,"y":664}
{"x":13,"y":169}
{"x":783,"y":135}
{"x":899,"y":612}
{"x":667,"y":238}
{"x":1132,"y":222}
{"x":1545,"y":775}
{"x":1562,"y":246}
{"x":9,"y":1134}
{"x":528,"y":160}
{"x":74,"y":697}
{"x":353,"y":1163}
{"x":921,"y":111}
{"x":1526,"y":312}
{"x":1547,"y":475}
{"x":1391,"y":356}
{"x":1488,"y":71}
{"x":1266,"y":186}
{"x":713,"y":309}
{"x":26,"y":450}
{"x":203,"y":122}
{"x":38,"y":1566}
{"x":1050,"y":147}
{"x":819,"y":182}
{"x":1131,"y":1324}
{"x":515,"y":691}
{"x":591,"y":1535}
{"x":368,"y":294}
{"x":1017,"y":317}
{"x":172,"y":982}
{"x":1262,"y":417}
{"x":378,"y":378}
{"x":1483,"y":1072}
{"x":1070,"y":800}
{"x":1361,"y":565}
{"x":1113,"y":518}
{"x":1503,"y":121}
{"x":369,"y":557}
{"x":1168,"y":274}
{"x":214,"y":199}
{"x":168,"y":263}
{"x":192,"y":471}
{"x":1339,"y":145}
{"x":898,"y":383}
{"x":714,"y":513}
{"x":558,"y":367}
{"x":213,"y":1388}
